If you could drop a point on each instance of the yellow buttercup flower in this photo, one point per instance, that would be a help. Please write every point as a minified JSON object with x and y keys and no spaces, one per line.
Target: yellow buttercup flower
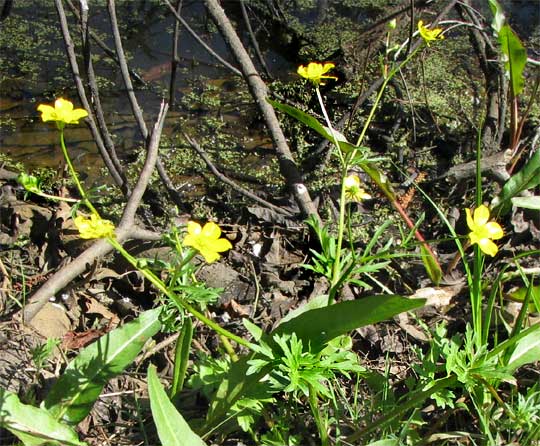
{"x":62,"y":112}
{"x":429,"y":35}
{"x":316,"y":72}
{"x":94,"y":227}
{"x":206,"y":240}
{"x":353,"y":191}
{"x":483,"y":231}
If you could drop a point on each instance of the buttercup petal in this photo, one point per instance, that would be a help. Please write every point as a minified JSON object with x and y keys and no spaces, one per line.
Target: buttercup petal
{"x":488,"y":247}
{"x":481,"y":215}
{"x":495,"y":231}
{"x":211,"y":230}
{"x":77,"y":114}
{"x":209,"y":256}
{"x":470,"y":222}
{"x":194,"y":228}
{"x":222,"y":245}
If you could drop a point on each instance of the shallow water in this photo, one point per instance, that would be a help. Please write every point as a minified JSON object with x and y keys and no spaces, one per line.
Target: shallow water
{"x":147,"y":30}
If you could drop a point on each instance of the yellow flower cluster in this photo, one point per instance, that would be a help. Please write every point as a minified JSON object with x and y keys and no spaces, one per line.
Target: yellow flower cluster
{"x":206,"y":239}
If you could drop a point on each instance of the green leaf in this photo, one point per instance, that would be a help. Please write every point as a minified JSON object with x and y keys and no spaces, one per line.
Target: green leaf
{"x":499,"y":18}
{"x":527,"y":202}
{"x":32,"y":425}
{"x":237,"y":384}
{"x":311,"y":122}
{"x":253,"y":329}
{"x":520,"y":295}
{"x":181,"y":357}
{"x":431,"y":265}
{"x":527,"y":178}
{"x":516,"y":58}
{"x":319,"y":326}
{"x":527,"y":350}
{"x":172,"y":429}
{"x":379,"y":178}
{"x":73,"y":395}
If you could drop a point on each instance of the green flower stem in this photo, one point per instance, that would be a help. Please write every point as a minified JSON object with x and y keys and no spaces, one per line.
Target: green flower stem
{"x":53,"y":197}
{"x":158,"y":283}
{"x":74,"y":175}
{"x":336,"y":270}
{"x":317,"y":415}
{"x":476,"y":295}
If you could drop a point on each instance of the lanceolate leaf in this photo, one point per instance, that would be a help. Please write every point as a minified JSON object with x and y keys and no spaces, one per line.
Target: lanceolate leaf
{"x":311,"y":122}
{"x":527,"y":350}
{"x":172,"y":429}
{"x":73,"y":395}
{"x":319,"y":326}
{"x":516,"y":58}
{"x":32,"y":425}
{"x":527,"y":202}
{"x":527,"y":178}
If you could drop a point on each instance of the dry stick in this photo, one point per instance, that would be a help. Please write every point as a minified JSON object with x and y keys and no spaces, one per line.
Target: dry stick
{"x":231,"y":183}
{"x":287,"y":164}
{"x":137,"y":113}
{"x":82,"y":94}
{"x":202,"y":42}
{"x":96,"y":102}
{"x":174,"y":56}
{"x":495,"y":81}
{"x":127,"y":229}
{"x":253,"y":39}
{"x":103,"y":45}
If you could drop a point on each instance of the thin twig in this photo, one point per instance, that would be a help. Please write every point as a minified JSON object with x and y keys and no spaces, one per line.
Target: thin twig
{"x":103,"y":45}
{"x":253,"y":39}
{"x":96,"y":102}
{"x":258,"y":89}
{"x":201,"y":41}
{"x":231,"y":183}
{"x":136,"y":109}
{"x":174,"y":56}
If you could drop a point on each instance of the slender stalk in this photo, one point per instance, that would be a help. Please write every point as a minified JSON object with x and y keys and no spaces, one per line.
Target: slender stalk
{"x":74,"y":175}
{"x":336,"y":270}
{"x":158,"y":283}
{"x":317,"y":415}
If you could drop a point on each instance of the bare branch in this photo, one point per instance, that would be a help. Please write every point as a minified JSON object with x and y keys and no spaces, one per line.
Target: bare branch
{"x":288,"y":166}
{"x":202,"y":42}
{"x":231,"y":183}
